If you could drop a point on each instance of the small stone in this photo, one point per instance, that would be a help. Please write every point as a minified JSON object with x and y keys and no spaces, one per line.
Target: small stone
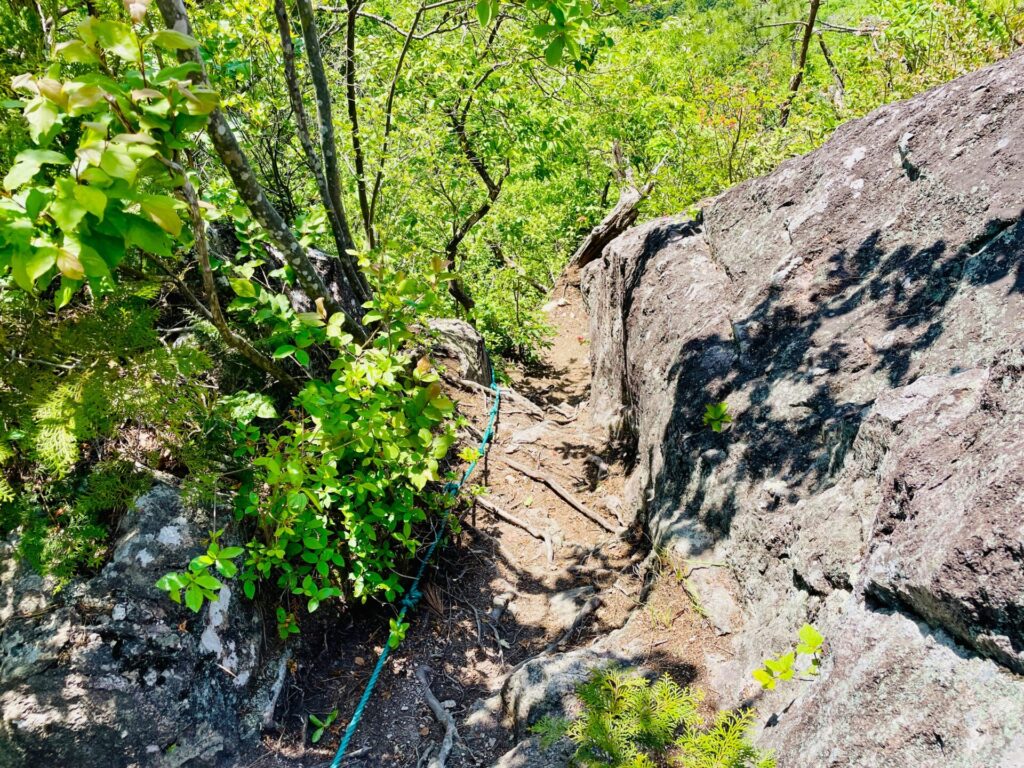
{"x":359,"y":661}
{"x":424,"y":731}
{"x":449,"y":704}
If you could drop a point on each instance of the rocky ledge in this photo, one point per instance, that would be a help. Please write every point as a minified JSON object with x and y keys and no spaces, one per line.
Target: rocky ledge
{"x":109,"y":672}
{"x":861,"y":312}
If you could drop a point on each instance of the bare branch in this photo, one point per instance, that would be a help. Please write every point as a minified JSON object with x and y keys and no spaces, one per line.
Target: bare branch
{"x":388,"y":112}
{"x":801,"y":65}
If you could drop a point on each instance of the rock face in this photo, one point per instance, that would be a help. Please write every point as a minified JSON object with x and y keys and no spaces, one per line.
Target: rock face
{"x":458,"y":341}
{"x":110,"y":672}
{"x":861,"y":311}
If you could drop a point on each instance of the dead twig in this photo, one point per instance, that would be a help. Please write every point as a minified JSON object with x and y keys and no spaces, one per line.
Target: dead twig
{"x":443,"y":716}
{"x":572,"y":501}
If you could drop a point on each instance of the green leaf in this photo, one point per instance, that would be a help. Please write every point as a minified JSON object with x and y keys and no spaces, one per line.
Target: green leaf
{"x":35,"y":201}
{"x":27,"y":267}
{"x":118,"y":39}
{"x":243,"y":287}
{"x":194,"y":598}
{"x":765,"y":679}
{"x":76,"y":52}
{"x":42,"y":117}
{"x":65,"y":209}
{"x":27,"y":164}
{"x":92,"y":199}
{"x":116,"y":162}
{"x":810,"y":640}
{"x":172,"y":40}
{"x":161,"y":209}
{"x":65,"y":292}
{"x":483,"y":12}
{"x":207,"y":580}
{"x":148,"y":236}
{"x":177,"y":72}
{"x":553,"y":53}
{"x":170,"y":581}
{"x":249,"y":588}
{"x":91,"y":261}
{"x":283,"y":351}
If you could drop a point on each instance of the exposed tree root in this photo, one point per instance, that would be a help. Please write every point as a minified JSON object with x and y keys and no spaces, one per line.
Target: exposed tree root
{"x":531,"y":407}
{"x":443,"y":716}
{"x":531,"y":529}
{"x":588,"y":608}
{"x":572,"y":501}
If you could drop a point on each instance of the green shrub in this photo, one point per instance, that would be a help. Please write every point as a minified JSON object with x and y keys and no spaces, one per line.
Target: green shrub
{"x":88,"y":400}
{"x":629,"y":721}
{"x":340,"y":492}
{"x":64,"y":525}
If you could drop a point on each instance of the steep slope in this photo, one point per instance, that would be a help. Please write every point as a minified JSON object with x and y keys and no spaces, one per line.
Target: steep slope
{"x":861,"y":312}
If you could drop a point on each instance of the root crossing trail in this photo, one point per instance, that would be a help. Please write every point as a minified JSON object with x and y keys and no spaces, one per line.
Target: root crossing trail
{"x":543,"y":563}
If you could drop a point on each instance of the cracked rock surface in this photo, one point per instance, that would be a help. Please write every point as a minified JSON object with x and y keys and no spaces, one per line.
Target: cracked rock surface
{"x":861,"y":311}
{"x":109,"y":672}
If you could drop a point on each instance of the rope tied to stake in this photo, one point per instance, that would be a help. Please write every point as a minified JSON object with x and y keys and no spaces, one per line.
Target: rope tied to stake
{"x":413,"y":595}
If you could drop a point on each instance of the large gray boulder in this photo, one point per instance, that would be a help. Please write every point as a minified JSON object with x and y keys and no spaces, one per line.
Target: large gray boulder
{"x":861,"y":311}
{"x":459,"y":342}
{"x":109,"y":672}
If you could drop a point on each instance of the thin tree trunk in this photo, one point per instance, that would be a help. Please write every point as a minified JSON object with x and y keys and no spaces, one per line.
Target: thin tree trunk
{"x":216,"y":313}
{"x":249,"y":190}
{"x":342,"y":238}
{"x":328,"y":145}
{"x":353,"y":117}
{"x":455,"y":287}
{"x":388,"y":117}
{"x":801,"y":63}
{"x":839,"y":99}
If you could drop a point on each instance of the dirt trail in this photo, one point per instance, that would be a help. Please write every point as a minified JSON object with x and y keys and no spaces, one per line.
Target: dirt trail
{"x":504,"y":591}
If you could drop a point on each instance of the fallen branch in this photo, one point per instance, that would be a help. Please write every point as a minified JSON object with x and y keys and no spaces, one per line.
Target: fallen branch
{"x":443,"y":717}
{"x":622,"y":216}
{"x":501,"y":514}
{"x":511,"y":394}
{"x":572,"y":501}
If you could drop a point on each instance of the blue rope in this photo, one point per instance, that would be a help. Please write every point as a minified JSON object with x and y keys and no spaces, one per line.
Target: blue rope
{"x":413,"y":595}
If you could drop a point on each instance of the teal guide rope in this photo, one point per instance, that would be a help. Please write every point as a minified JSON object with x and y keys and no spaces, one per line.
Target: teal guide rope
{"x":413,"y":595}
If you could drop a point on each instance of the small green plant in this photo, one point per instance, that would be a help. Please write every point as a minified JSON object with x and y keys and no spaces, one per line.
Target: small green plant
{"x":785,"y":667}
{"x":286,"y":624}
{"x":716,"y":416}
{"x":322,"y":725}
{"x":197,"y":582}
{"x":629,"y":721}
{"x":397,"y":634}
